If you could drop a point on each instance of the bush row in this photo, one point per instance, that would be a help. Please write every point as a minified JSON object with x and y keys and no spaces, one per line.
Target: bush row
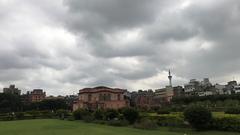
{"x":233,"y":110}
{"x":227,"y":123}
{"x":34,"y":115}
{"x":128,"y":114}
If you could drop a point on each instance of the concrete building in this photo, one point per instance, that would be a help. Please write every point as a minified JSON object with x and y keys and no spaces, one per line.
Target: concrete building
{"x":205,"y":93}
{"x":220,"y":89}
{"x":178,"y":91}
{"x":12,"y":90}
{"x":206,"y":83}
{"x":191,"y":88}
{"x":236,"y":89}
{"x":230,"y":87}
{"x":101,"y":98}
{"x":165,"y":94}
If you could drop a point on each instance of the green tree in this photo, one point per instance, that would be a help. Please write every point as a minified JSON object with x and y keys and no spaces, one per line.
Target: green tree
{"x":131,"y":115}
{"x":199,"y":117}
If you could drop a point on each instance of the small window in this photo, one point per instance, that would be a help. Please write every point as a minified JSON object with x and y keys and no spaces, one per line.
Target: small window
{"x":89,"y":97}
{"x":119,"y":97}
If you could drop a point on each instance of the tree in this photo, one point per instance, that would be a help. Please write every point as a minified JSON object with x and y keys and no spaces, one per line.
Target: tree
{"x":10,"y":103}
{"x":53,"y":104}
{"x":111,"y":114}
{"x":80,"y":114}
{"x":198,"y":117}
{"x":98,"y":114}
{"x":131,"y":115}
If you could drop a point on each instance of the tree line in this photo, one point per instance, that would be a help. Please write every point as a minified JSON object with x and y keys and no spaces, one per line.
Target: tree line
{"x":14,"y":103}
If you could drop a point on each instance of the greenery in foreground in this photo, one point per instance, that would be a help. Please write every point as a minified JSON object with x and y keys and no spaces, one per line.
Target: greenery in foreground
{"x":59,"y":127}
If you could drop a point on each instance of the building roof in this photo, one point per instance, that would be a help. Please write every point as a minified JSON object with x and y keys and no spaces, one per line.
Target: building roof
{"x":101,"y":89}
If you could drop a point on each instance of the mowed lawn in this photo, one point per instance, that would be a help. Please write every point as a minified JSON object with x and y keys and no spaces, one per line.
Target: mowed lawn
{"x":59,"y":127}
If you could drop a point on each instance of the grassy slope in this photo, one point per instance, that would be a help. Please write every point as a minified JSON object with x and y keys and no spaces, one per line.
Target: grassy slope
{"x":57,"y":127}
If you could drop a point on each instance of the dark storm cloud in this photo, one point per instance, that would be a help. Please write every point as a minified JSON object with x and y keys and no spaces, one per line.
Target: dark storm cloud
{"x":64,"y":45}
{"x":218,"y":23}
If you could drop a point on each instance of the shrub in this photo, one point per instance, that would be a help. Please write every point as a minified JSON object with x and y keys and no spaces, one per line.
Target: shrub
{"x":100,"y":122}
{"x":80,"y":114}
{"x":19,"y":115}
{"x":47,"y":114}
{"x":163,"y":111}
{"x":233,"y":110}
{"x":111,"y":114}
{"x":198,"y":117}
{"x":71,"y":118}
{"x":88,"y":118}
{"x":7,"y":117}
{"x":131,"y":115}
{"x":34,"y":114}
{"x":170,"y":120}
{"x":227,"y":123}
{"x":61,"y":113}
{"x":117,"y":123}
{"x":98,"y":114}
{"x":146,"y":124}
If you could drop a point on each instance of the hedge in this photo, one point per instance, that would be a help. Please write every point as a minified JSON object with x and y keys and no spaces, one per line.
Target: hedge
{"x":226,"y":123}
{"x":172,"y":120}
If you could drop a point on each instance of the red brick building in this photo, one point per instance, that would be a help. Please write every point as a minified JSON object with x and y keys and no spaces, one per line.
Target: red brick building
{"x":101,"y":98}
{"x":37,"y":95}
{"x":143,"y":99}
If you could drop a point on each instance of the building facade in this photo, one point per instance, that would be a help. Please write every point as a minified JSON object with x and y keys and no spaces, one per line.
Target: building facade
{"x":12,"y":90}
{"x":164,"y":95}
{"x":101,"y":98}
{"x":178,"y":91}
{"x":142,"y":99}
{"x":37,"y":95}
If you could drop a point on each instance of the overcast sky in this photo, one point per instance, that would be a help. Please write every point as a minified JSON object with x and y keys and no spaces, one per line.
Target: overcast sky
{"x":65,"y":45}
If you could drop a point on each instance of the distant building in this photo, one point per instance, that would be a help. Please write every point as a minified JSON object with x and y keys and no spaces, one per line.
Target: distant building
{"x":230,"y":87}
{"x":165,"y":94}
{"x":206,"y":83}
{"x":53,"y":97}
{"x":192,"y":87}
{"x":220,"y":89}
{"x":197,"y":88}
{"x":236,"y":89}
{"x":142,"y":99}
{"x":178,"y":91}
{"x":12,"y":90}
{"x":205,"y":93}
{"x":37,"y":95}
{"x":101,"y":98}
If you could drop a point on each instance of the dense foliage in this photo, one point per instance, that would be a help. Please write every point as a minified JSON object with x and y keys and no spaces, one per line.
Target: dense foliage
{"x":212,"y":98}
{"x":99,"y":114}
{"x":163,"y":111}
{"x":80,"y":114}
{"x":131,"y":115}
{"x":198,"y":117}
{"x":233,"y":110}
{"x":226,"y":123}
{"x":48,"y":104}
{"x":146,"y":124}
{"x":10,"y":103}
{"x":111,"y":114}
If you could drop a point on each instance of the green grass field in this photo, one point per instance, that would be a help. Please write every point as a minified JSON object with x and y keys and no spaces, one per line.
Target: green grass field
{"x":58,"y":127}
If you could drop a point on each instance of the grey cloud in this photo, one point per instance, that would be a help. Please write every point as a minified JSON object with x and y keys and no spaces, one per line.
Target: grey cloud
{"x":33,"y":54}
